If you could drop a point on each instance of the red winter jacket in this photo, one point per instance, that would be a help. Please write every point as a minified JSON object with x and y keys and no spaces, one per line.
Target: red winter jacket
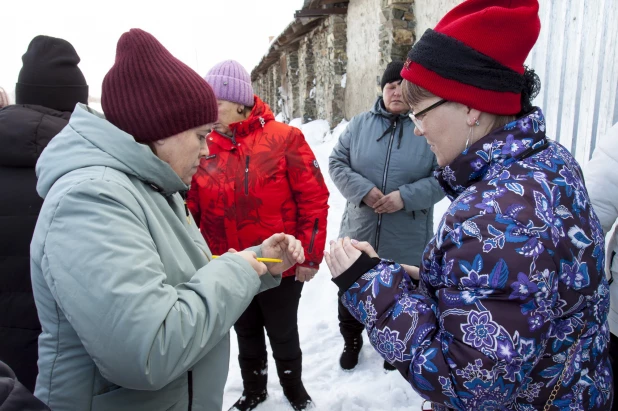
{"x":265,"y":180}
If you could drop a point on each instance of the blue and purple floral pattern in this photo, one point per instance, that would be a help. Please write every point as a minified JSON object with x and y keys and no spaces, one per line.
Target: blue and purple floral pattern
{"x":508,"y":283}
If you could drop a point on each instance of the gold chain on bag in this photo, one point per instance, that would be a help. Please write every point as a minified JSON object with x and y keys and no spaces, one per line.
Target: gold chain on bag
{"x":554,"y":392}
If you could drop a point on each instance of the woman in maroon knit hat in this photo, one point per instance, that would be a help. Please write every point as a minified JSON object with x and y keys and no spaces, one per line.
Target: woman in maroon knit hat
{"x":508,"y":307}
{"x":135,"y":313}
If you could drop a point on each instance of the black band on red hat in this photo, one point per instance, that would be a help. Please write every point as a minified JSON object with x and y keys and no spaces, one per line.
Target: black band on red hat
{"x":453,"y":60}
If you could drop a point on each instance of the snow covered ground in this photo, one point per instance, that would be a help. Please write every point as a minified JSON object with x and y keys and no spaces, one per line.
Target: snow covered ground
{"x":368,"y":387}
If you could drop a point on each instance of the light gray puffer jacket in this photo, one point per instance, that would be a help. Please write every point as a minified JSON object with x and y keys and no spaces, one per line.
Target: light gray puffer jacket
{"x":602,"y":184}
{"x":399,"y":160}
{"x":134,"y":314}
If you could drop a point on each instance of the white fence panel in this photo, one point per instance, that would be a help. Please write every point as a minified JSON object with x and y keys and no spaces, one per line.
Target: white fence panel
{"x":576,"y":58}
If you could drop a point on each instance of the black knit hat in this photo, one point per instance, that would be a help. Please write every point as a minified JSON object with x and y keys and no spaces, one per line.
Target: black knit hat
{"x":50,"y":76}
{"x":392,"y":73}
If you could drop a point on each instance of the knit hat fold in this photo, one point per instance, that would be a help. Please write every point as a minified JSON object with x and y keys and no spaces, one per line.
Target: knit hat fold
{"x":231,"y":82}
{"x":392,"y":73}
{"x":152,"y":95}
{"x":50,"y":77}
{"x":476,"y":54}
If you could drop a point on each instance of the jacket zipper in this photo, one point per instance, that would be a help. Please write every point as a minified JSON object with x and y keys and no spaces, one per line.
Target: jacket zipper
{"x":315,"y":233}
{"x":190,"y":381}
{"x":183,"y":194}
{"x":247,"y":176}
{"x":384,"y":176}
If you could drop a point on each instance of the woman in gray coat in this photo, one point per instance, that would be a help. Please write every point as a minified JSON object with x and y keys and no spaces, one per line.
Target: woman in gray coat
{"x":385,"y":173}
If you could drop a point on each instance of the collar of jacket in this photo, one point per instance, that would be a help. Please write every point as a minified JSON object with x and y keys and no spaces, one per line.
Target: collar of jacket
{"x":380,"y":110}
{"x":224,"y":142}
{"x":90,"y":140}
{"x":503,"y":146}
{"x":259,"y":116}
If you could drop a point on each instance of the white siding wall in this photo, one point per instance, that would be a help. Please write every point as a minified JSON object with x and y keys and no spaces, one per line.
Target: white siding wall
{"x":576,"y":58}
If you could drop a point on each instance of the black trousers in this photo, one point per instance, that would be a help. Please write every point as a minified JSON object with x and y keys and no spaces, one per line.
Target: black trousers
{"x":277,"y":311}
{"x":349,"y":327}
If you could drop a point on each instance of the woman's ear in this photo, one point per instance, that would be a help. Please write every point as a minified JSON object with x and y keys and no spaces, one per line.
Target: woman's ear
{"x":474,"y":117}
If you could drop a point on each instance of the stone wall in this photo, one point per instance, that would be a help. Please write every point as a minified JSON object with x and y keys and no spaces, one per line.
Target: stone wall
{"x":363,"y":59}
{"x":383,"y":31}
{"x":290,"y":84}
{"x":333,"y":72}
{"x":330,"y":66}
{"x":307,"y":81}
{"x":267,"y":87}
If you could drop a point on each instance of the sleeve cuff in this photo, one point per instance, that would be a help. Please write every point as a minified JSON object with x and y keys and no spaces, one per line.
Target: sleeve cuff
{"x":257,"y":249}
{"x":310,"y":264}
{"x":360,"y":267}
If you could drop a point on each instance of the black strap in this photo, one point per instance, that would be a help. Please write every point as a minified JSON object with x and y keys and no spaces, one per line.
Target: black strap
{"x":400,"y":136}
{"x":388,"y":129}
{"x":611,"y":275}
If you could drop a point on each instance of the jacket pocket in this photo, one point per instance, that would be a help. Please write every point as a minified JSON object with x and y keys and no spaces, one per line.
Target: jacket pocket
{"x":314,"y":234}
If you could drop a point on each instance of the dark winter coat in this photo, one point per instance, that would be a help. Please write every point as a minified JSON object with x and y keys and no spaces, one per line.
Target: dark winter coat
{"x":265,"y":180}
{"x":512,"y":289}
{"x":14,"y":396}
{"x":24,"y":133}
{"x":379,"y":149}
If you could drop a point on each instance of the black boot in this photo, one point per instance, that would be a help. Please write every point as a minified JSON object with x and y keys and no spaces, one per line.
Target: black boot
{"x":249,"y":400}
{"x":351,"y":351}
{"x":290,"y":377}
{"x":254,"y":374}
{"x":388,"y":366}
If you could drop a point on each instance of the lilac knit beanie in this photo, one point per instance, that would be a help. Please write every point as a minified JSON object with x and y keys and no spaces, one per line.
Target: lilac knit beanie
{"x":231,"y":82}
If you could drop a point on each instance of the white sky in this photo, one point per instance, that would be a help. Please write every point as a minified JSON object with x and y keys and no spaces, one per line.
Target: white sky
{"x":200,"y":33}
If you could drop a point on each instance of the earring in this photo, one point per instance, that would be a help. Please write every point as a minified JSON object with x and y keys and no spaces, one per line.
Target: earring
{"x":239,"y":110}
{"x":476,"y":123}
{"x":470,"y":133}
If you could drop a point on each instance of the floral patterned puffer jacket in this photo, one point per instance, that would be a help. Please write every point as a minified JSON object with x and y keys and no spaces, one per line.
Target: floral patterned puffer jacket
{"x":512,"y":303}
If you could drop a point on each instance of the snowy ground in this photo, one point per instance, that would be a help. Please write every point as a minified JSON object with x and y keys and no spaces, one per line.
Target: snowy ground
{"x":365,"y":388}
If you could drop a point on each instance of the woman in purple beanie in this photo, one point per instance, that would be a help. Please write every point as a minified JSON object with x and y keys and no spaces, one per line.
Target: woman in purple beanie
{"x":261,"y":177}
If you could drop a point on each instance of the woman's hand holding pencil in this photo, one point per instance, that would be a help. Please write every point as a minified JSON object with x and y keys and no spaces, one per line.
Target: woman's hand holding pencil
{"x":280,"y":252}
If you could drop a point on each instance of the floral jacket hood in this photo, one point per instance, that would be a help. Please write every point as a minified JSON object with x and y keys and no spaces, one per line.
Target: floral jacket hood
{"x":512,"y":289}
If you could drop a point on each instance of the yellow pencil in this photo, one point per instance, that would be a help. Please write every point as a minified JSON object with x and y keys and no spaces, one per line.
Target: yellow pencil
{"x":262,"y":259}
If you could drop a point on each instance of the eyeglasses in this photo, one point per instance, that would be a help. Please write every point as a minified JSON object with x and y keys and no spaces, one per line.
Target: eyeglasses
{"x":418,"y":117}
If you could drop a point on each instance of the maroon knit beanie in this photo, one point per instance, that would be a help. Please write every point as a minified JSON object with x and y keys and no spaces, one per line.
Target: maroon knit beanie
{"x":152,"y":95}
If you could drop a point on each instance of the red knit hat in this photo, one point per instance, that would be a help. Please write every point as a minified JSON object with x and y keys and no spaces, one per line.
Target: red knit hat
{"x":476,"y":53}
{"x":152,"y":95}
